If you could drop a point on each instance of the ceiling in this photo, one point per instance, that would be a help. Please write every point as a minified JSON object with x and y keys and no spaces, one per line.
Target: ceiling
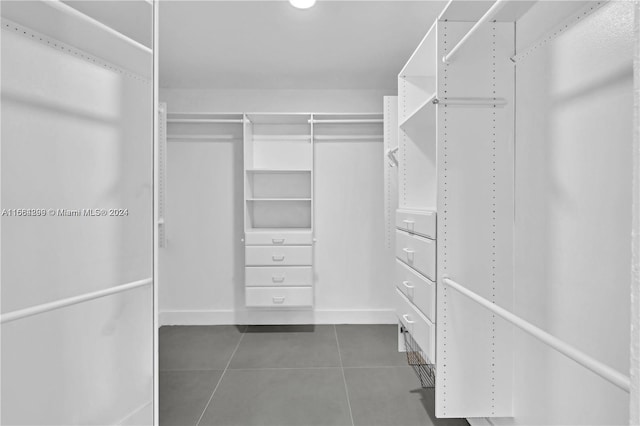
{"x":271,"y":45}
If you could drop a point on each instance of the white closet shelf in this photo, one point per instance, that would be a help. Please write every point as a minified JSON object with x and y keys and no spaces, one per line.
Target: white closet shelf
{"x":266,"y":171}
{"x":425,"y":109}
{"x":347,"y":137}
{"x":278,"y":199}
{"x":204,"y":137}
{"x":205,"y":120}
{"x":281,"y":138}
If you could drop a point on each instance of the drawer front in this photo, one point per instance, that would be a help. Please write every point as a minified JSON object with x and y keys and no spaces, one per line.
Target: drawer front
{"x":422,"y":330}
{"x":278,"y":256}
{"x":278,"y":238}
{"x":270,"y":276}
{"x":278,"y":296}
{"x":417,"y":222}
{"x":418,"y":289}
{"x":417,"y":252}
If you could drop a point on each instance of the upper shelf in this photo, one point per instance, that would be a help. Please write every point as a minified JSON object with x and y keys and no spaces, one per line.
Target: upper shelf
{"x":423,"y":61}
{"x":422,"y":117}
{"x":68,"y":25}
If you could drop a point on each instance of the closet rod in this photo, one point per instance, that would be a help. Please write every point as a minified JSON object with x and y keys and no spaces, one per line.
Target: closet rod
{"x":203,"y":137}
{"x":347,"y":137}
{"x":47,"y":307}
{"x":203,"y":120}
{"x":493,"y":10}
{"x":471,"y":101}
{"x":62,"y":7}
{"x":348,"y":121}
{"x":603,"y":370}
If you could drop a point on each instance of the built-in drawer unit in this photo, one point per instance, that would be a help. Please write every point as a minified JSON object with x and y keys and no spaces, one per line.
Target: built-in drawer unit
{"x":278,"y":256}
{"x":278,"y":296}
{"x":418,"y":289}
{"x":417,"y":252}
{"x":417,"y":222}
{"x":278,"y":238}
{"x":270,"y":276}
{"x":419,"y":326}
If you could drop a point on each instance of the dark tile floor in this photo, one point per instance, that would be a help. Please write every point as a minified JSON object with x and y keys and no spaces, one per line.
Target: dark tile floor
{"x":290,"y":376}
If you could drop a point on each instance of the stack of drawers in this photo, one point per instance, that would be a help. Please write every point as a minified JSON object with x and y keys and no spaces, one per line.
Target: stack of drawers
{"x":278,"y":269}
{"x":415,"y":292}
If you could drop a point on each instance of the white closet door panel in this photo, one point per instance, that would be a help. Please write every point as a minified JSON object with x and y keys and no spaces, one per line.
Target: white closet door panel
{"x":278,"y":276}
{"x":418,"y":289}
{"x":278,"y":238}
{"x":417,"y":222}
{"x":419,"y":326}
{"x":278,"y":256}
{"x":417,"y":252}
{"x":278,"y":296}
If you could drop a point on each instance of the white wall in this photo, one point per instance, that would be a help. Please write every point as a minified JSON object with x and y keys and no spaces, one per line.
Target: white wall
{"x":74,"y":135}
{"x":201,"y":278}
{"x":573,"y":216}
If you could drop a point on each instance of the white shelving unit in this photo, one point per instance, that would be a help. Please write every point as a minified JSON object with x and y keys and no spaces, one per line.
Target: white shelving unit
{"x":456,"y":164}
{"x":278,"y":198}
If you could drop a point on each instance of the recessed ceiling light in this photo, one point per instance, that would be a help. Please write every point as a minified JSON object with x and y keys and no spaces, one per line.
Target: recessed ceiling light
{"x":302,"y":4}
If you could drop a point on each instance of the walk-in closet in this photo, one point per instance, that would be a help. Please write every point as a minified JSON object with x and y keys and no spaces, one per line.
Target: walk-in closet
{"x":314,"y":213}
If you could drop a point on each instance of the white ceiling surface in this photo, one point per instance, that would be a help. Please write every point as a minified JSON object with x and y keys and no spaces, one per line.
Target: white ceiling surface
{"x":271,"y":45}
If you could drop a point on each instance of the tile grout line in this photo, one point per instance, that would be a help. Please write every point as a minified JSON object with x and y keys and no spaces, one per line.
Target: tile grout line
{"x":344,"y":378}
{"x":221,"y":377}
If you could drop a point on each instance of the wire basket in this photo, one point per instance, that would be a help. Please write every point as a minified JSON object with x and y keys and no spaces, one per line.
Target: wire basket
{"x":417,"y":359}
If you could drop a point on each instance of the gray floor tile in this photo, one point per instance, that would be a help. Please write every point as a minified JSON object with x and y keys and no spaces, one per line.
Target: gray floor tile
{"x":184,"y":394}
{"x":392,"y":396}
{"x":370,"y":345}
{"x":296,"y":397}
{"x":287,"y":347}
{"x":197,"y":347}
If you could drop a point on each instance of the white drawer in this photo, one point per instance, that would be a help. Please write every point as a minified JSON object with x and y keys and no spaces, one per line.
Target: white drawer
{"x":422,"y":330}
{"x":278,"y":255}
{"x":417,"y":222}
{"x":417,"y":252}
{"x":278,"y":296}
{"x":418,"y":289}
{"x":269,"y":276}
{"x":275,"y":238}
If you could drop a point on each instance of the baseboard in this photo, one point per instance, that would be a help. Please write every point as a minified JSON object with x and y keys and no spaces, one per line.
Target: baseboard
{"x":479,"y":421}
{"x":260,"y":316}
{"x":141,"y":416}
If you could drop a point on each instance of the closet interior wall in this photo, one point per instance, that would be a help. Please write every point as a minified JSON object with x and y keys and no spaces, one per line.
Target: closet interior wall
{"x":202,"y":266}
{"x":77,"y":134}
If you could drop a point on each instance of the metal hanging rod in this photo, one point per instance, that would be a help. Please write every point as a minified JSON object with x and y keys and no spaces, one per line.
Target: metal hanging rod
{"x":348,"y":121}
{"x":47,"y":307}
{"x":490,"y":102}
{"x":203,"y":137}
{"x":603,"y":370}
{"x":493,"y":10}
{"x":281,"y":138}
{"x":347,"y":137}
{"x":64,"y":8}
{"x":204,"y":120}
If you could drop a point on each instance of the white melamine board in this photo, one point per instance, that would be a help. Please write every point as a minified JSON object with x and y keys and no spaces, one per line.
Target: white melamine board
{"x":475,"y":224}
{"x":63,"y":23}
{"x":279,"y":185}
{"x":423,"y":62}
{"x":282,"y":154}
{"x":278,"y":214}
{"x":390,"y":167}
{"x":573,"y":217}
{"x":85,"y":364}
